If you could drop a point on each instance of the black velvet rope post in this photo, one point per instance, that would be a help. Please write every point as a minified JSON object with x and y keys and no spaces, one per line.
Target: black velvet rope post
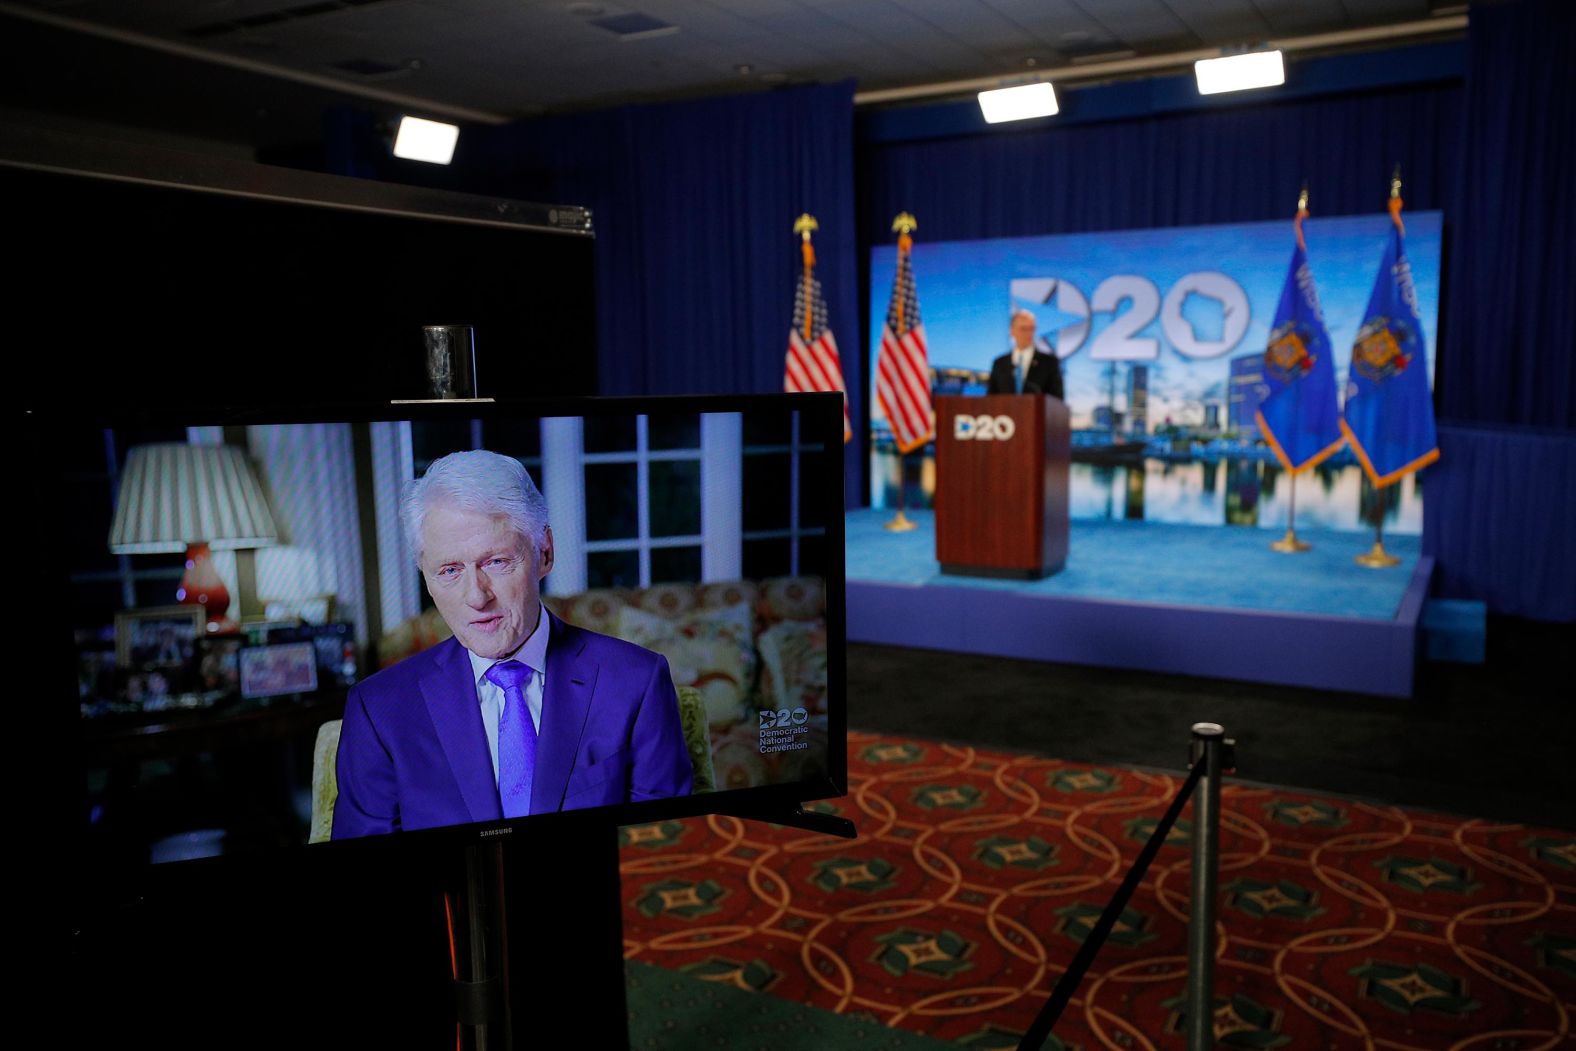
{"x":1045,"y":1021}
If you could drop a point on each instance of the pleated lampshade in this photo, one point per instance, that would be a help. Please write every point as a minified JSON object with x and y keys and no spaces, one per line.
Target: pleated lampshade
{"x":173,"y":496}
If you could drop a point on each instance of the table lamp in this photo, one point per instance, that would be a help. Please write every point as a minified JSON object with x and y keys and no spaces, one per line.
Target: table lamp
{"x":197,"y":499}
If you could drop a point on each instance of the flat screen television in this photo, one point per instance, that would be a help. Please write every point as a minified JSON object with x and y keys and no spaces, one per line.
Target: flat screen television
{"x":705,"y":531}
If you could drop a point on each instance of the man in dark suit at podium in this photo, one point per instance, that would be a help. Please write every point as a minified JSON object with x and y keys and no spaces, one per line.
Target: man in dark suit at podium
{"x":1024,"y":370}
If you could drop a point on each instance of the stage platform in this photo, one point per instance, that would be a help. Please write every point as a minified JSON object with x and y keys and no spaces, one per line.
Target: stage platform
{"x":1199,"y":600}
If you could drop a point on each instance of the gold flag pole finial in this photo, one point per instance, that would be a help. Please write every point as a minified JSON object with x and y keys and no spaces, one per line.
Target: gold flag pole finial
{"x":904,"y":226}
{"x":1395,"y":199}
{"x":803,"y":226}
{"x":1302,"y":213}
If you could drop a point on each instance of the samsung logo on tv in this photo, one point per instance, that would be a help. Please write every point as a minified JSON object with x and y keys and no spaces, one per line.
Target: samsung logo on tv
{"x":496,"y":831}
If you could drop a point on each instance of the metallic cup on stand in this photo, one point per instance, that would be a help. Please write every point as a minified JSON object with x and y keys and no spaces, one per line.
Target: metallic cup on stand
{"x":451,"y":361}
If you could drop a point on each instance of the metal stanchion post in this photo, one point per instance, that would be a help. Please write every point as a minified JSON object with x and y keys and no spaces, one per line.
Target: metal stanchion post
{"x":1209,"y":739}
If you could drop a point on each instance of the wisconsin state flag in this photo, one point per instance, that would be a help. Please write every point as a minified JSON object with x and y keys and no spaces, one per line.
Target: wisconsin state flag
{"x":1389,"y":415}
{"x":1298,"y":415}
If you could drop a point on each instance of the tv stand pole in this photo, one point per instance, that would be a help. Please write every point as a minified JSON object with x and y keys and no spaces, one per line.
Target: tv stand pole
{"x":480,"y":1001}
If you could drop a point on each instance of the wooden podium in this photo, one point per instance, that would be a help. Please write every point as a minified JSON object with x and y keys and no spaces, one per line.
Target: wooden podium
{"x":1001,"y":485}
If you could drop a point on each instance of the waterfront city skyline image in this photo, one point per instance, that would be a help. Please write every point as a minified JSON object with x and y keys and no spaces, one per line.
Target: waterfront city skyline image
{"x":1161,"y":335}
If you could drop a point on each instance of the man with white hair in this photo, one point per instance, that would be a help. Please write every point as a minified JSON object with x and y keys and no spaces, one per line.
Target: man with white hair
{"x":519,"y":713}
{"x":1023,"y":369}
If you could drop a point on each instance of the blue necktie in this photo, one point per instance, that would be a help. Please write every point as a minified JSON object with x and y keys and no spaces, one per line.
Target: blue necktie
{"x":516,"y":738}
{"x":1018,"y":371}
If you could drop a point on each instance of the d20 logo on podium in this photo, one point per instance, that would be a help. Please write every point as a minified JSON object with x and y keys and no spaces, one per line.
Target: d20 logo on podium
{"x":983,"y":428}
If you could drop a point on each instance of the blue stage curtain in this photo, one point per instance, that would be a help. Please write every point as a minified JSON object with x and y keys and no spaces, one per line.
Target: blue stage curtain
{"x":1499,"y":512}
{"x":694,"y":205}
{"x":1509,"y":352}
{"x":1240,"y":164}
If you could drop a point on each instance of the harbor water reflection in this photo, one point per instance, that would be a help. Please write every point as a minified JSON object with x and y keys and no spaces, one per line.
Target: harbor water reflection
{"x":1227,"y":491}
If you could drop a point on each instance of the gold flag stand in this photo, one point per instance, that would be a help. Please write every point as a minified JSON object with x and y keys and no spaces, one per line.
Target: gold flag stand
{"x":1377,"y":557}
{"x":1290,"y":544}
{"x":901,"y":523}
{"x":903,"y":225}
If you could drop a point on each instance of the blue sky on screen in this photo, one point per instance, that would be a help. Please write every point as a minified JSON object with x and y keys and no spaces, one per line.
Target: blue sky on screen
{"x":965,"y":295}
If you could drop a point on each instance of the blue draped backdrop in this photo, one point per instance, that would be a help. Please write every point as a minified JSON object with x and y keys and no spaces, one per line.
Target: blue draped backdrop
{"x":1235,"y":165}
{"x":1498,"y":510}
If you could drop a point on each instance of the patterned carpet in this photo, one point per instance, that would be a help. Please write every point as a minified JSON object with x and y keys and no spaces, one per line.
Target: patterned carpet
{"x":1342,"y":924}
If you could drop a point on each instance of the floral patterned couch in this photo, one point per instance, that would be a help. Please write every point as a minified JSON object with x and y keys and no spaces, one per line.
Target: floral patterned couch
{"x":745,"y":646}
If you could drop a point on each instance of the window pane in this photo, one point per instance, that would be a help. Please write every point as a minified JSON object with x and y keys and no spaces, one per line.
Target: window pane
{"x":675,"y":564}
{"x":127,"y":438}
{"x":431,"y":439}
{"x":813,"y":469}
{"x":609,"y":434}
{"x":680,"y":431}
{"x":159,"y":592}
{"x":766,"y":491}
{"x":765,"y":558}
{"x":812,"y":556}
{"x":95,"y":603}
{"x":675,"y":497}
{"x":611,"y":501}
{"x":768,"y":428}
{"x":613,"y":569}
{"x":520,"y":438}
{"x":87,"y":526}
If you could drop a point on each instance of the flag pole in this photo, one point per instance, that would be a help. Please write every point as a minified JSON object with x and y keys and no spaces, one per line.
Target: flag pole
{"x":1290,"y":544}
{"x":1377,"y":557}
{"x":903,"y":226}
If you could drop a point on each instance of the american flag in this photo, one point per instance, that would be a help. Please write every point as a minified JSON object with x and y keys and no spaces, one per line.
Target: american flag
{"x":812,"y":350}
{"x":903,"y":367}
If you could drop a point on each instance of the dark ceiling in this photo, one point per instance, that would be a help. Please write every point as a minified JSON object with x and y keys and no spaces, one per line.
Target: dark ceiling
{"x":260,"y":73}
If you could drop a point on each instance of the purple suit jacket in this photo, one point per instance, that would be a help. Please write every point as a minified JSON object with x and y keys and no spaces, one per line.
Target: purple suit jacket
{"x":413,"y":752}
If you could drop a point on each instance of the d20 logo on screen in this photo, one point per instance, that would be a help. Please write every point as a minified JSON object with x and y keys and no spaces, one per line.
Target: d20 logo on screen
{"x":1203,"y":315}
{"x":983,"y":428}
{"x":783,"y":718}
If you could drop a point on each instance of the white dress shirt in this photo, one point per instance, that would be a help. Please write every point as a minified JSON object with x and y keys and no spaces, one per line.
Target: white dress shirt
{"x":533,"y":654}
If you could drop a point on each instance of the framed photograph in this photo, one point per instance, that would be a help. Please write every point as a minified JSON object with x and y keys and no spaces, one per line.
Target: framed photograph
{"x":267,"y":671}
{"x":219,"y":663}
{"x":160,"y":637}
{"x":335,"y":645}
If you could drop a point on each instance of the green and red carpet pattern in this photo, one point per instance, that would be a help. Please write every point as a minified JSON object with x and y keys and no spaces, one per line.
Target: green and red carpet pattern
{"x":1342,"y":924}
